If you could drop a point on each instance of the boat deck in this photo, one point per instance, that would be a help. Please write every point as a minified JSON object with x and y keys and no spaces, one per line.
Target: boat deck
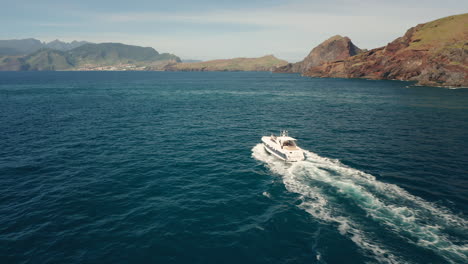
{"x":291,"y":147}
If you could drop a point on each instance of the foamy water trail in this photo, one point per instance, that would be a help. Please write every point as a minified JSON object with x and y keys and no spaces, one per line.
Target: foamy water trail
{"x":409,"y":217}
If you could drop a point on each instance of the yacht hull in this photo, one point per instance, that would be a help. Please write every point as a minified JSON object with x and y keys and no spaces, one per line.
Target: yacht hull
{"x":279,"y":155}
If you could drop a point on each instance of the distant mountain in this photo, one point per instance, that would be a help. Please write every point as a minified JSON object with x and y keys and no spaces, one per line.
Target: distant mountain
{"x":46,"y":60}
{"x":10,"y":51}
{"x":15,"y":47}
{"x":104,"y":56}
{"x":64,"y":46}
{"x":265,"y":63}
{"x":10,"y":63}
{"x":434,"y":53}
{"x":113,"y":53}
{"x":334,"y":48}
{"x":19,"y":46}
{"x":41,"y":60}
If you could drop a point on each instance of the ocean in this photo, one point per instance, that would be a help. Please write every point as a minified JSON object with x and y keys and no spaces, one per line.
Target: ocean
{"x":167,"y":167}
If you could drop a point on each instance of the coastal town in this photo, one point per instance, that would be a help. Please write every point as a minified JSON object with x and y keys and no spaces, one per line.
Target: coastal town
{"x":115,"y":67}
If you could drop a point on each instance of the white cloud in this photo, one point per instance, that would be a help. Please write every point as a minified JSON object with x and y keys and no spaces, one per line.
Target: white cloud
{"x":288,"y":31}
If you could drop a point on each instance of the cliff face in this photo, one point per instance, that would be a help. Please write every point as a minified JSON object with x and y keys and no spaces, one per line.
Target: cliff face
{"x":332,"y":49}
{"x":435,"y":54}
{"x":265,"y":63}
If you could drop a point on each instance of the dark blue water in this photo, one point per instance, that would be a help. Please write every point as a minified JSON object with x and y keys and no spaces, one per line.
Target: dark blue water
{"x":155,"y":167}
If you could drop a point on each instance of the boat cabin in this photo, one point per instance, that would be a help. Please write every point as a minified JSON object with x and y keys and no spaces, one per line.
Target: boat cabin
{"x":288,"y":143}
{"x":285,"y":142}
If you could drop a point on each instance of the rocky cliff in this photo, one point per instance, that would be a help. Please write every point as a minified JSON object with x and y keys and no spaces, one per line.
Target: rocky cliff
{"x":332,"y":49}
{"x":434,"y":53}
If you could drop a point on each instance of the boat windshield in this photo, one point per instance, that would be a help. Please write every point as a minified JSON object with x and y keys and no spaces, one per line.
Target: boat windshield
{"x":289,"y":143}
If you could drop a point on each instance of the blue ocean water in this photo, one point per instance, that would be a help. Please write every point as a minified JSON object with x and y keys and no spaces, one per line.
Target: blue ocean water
{"x":166,"y":167}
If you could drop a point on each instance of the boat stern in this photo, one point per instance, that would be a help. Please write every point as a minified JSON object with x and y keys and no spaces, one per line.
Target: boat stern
{"x":294,"y":156}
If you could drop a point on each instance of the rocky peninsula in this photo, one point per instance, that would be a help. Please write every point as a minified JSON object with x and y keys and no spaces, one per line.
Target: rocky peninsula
{"x":432,"y":54}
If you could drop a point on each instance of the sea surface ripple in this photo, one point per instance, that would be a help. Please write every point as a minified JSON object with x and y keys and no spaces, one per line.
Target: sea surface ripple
{"x":166,"y":167}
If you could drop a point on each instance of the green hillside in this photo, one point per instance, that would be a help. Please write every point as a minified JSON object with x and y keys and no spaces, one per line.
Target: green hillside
{"x":440,"y":32}
{"x":113,"y":53}
{"x":47,"y":60}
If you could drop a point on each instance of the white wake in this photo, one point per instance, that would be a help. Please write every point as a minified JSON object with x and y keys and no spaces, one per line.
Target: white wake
{"x":320,"y":181}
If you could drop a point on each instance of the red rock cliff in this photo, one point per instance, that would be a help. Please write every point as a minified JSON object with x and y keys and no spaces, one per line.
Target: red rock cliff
{"x":435,"y":54}
{"x":334,"y":48}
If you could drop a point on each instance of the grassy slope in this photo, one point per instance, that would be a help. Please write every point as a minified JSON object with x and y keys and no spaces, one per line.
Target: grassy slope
{"x":452,"y":29}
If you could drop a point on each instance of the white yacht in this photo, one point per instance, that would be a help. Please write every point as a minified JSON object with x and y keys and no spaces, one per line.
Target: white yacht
{"x":283,"y":147}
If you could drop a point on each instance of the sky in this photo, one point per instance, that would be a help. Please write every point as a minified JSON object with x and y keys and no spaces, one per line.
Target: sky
{"x":214,"y":29}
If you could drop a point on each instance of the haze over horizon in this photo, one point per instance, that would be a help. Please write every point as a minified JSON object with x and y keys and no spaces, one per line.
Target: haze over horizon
{"x":211,"y":29}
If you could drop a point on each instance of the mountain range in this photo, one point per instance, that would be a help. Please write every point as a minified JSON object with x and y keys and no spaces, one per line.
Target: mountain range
{"x":34,"y":55}
{"x":17,"y":47}
{"x":90,"y":56}
{"x":433,"y":53}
